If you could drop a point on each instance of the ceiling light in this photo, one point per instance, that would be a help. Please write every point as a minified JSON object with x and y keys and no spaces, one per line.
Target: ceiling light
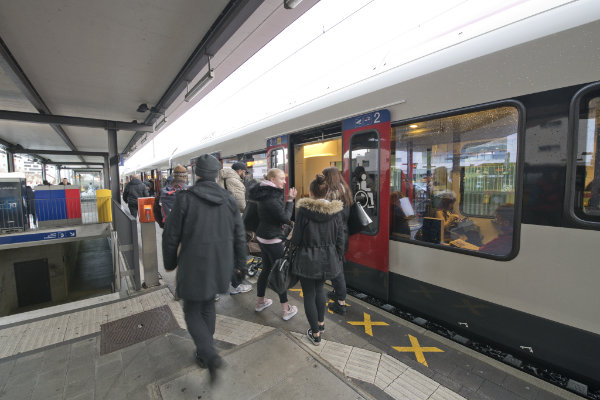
{"x":413,"y":126}
{"x":289,"y":4}
{"x":201,"y":83}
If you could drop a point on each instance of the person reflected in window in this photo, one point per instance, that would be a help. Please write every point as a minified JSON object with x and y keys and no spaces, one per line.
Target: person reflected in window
{"x":399,"y":217}
{"x":504,"y":223}
{"x":445,"y":212}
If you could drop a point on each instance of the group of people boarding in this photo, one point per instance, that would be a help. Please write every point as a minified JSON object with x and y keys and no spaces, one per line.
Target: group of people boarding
{"x":204,"y":238}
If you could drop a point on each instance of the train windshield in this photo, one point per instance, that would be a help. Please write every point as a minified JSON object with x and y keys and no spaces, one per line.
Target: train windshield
{"x":453,"y":180}
{"x":587,"y":200}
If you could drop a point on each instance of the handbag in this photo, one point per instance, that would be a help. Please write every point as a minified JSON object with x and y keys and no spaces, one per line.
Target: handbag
{"x":250,"y":216}
{"x":281,"y":277}
{"x":359,"y":219}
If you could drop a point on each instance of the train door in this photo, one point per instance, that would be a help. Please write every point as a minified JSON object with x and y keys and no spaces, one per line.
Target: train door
{"x":366,"y":167}
{"x":277,"y":155}
{"x":312,"y":158}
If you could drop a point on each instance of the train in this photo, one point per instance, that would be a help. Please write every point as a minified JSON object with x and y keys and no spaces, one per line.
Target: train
{"x":480,"y":167}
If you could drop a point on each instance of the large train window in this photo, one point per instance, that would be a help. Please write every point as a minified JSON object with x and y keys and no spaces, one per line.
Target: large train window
{"x":364,"y":165}
{"x":587,"y":183}
{"x":453,"y":180}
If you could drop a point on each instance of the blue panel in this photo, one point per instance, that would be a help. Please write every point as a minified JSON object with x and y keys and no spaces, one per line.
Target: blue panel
{"x":34,"y":237}
{"x":365,"y":120}
{"x":276,"y":141}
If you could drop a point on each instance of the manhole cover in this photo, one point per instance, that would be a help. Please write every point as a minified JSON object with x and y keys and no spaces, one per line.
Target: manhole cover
{"x":136,"y":328}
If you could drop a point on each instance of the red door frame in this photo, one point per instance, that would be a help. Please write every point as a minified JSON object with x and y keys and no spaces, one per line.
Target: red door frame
{"x":371,"y":251}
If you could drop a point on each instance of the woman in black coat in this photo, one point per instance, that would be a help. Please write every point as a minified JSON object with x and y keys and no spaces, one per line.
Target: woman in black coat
{"x":338,"y":189}
{"x":273,"y":212}
{"x":319,"y":245}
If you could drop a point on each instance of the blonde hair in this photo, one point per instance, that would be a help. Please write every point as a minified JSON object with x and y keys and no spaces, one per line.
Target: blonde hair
{"x":272,"y":173}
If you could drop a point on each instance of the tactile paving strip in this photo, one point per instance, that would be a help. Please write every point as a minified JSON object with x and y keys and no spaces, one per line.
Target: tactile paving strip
{"x":136,"y":328}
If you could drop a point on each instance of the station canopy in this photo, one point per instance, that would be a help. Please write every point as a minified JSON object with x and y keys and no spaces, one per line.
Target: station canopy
{"x":124,"y":65}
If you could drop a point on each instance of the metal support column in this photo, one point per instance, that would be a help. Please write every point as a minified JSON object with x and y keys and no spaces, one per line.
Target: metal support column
{"x":113,"y":157}
{"x":11,"y":161}
{"x":43,"y":172}
{"x":106,"y":173}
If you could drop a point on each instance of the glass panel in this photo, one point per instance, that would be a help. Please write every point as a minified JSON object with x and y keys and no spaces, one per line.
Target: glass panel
{"x":587,"y":192}
{"x":364,"y":164}
{"x":453,"y":180}
{"x":278,"y":157}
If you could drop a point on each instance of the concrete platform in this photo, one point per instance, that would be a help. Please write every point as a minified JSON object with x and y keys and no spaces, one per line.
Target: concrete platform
{"x":59,"y":356}
{"x":274,"y":366}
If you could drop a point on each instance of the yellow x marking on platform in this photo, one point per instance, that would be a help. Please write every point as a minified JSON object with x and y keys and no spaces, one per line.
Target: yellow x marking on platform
{"x":331,"y":301}
{"x":297,"y":290}
{"x":368,"y":324}
{"x":472,"y":307}
{"x":418,"y":350}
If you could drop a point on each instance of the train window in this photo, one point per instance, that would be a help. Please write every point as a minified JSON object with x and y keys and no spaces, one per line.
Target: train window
{"x":278,"y":157}
{"x":364,"y":164}
{"x":453,"y":180}
{"x":587,"y":184}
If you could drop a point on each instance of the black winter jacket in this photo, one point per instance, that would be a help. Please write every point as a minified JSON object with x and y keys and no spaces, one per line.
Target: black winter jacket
{"x":273,"y":211}
{"x":134,"y":189}
{"x":206,"y":221}
{"x":319,"y":239}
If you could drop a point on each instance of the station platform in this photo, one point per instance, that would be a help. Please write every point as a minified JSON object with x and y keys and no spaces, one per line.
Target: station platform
{"x":136,"y":347}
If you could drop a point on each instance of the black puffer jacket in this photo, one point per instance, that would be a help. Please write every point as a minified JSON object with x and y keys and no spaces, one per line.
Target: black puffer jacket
{"x":206,"y":221}
{"x":134,"y":189}
{"x":319,"y":239}
{"x":273,"y":211}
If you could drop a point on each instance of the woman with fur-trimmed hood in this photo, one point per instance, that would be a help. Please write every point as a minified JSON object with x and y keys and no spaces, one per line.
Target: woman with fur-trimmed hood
{"x":319,"y":240}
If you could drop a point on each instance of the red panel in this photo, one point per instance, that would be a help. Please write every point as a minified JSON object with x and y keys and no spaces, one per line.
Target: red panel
{"x":367,"y":250}
{"x":73,"y":203}
{"x":145,"y":207}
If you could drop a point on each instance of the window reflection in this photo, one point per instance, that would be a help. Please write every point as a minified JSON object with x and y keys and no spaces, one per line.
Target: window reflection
{"x":453,"y":179}
{"x":278,"y":157}
{"x":587,"y":200}
{"x":364,"y":182}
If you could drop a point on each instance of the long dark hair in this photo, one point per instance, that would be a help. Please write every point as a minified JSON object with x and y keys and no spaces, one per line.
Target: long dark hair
{"x":338,"y":189}
{"x":318,"y":187}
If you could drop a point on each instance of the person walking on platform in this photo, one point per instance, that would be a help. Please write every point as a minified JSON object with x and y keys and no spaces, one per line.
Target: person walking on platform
{"x":232,"y":179}
{"x":206,"y":223}
{"x":168,"y":192}
{"x":273,"y":212}
{"x":338,"y":189}
{"x":319,"y":251}
{"x":134,"y":189}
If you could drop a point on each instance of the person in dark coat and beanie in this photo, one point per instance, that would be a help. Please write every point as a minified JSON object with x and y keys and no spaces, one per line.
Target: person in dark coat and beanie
{"x":338,"y":189}
{"x":273,"y":212}
{"x":134,"y":189}
{"x":206,"y":223}
{"x":319,"y":251}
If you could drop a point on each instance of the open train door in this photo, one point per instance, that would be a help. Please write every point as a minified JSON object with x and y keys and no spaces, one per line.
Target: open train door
{"x":366,"y":167}
{"x":278,"y":156}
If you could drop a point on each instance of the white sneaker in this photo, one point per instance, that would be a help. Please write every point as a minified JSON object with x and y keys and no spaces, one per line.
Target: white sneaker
{"x":242,"y":288}
{"x":293,"y":310}
{"x":261,"y":306}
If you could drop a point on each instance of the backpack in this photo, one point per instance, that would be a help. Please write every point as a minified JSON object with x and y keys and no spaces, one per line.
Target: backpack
{"x":167,"y":199}
{"x":157,"y":210}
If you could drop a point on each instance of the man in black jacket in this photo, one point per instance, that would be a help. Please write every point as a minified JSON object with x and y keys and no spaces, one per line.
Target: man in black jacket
{"x":134,"y":189}
{"x":206,"y":222}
